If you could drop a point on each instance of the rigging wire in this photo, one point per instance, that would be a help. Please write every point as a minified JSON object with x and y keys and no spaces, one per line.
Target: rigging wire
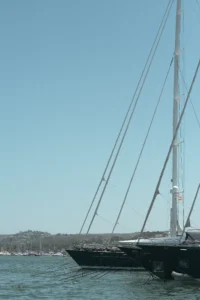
{"x":129,"y":121}
{"x":126,"y":117}
{"x":195,"y":113}
{"x":191,"y":102}
{"x":142,"y":215}
{"x":198,"y":10}
{"x":112,"y":223}
{"x":191,"y":209}
{"x":143,"y":146}
{"x":195,"y":225}
{"x":156,"y":192}
{"x":198,"y":5}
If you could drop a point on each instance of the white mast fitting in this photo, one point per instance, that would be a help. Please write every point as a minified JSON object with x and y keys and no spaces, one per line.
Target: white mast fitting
{"x":175,"y":158}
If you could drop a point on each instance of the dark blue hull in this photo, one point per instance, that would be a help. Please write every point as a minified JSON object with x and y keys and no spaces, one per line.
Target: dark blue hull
{"x":95,"y":259}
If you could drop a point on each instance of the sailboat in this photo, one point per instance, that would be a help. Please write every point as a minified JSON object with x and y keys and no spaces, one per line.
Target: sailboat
{"x":114,"y":257}
{"x":180,"y":252}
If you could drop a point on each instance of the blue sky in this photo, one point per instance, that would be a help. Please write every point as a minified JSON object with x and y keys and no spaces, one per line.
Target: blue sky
{"x":68,"y":72}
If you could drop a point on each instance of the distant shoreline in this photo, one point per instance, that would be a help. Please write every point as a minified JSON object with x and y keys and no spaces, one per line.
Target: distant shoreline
{"x":38,"y":241}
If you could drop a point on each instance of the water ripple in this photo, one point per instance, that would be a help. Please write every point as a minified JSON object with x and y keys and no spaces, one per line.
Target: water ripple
{"x":57,"y":278}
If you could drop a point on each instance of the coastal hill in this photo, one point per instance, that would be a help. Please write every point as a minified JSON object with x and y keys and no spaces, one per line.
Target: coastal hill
{"x":38,"y":240}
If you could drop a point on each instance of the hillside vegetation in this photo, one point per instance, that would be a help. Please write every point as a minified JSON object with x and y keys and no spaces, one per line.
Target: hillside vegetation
{"x":36,"y":240}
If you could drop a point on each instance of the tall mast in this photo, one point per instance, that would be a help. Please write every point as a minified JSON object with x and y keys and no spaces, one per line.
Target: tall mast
{"x":175,"y":158}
